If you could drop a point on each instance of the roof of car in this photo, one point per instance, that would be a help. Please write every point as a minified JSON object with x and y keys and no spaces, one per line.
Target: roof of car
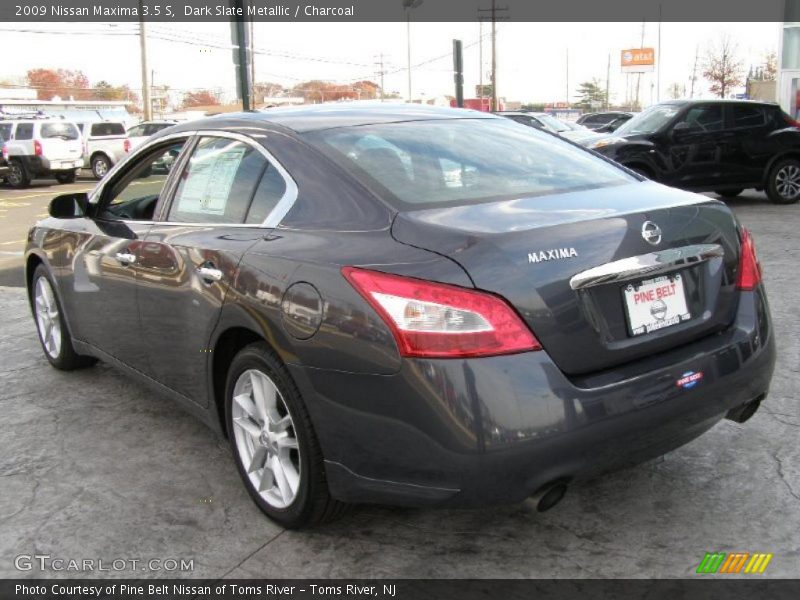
{"x":346,"y":114}
{"x":684,"y":102}
{"x":527,"y":113}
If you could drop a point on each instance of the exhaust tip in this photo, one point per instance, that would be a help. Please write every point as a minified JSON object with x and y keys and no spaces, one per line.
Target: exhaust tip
{"x":742,"y":413}
{"x":548,"y":496}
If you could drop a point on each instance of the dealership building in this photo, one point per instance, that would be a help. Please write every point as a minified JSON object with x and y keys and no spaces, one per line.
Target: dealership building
{"x":789,"y":52}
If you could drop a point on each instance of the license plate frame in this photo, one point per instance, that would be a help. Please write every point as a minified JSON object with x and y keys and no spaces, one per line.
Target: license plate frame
{"x":655,"y":304}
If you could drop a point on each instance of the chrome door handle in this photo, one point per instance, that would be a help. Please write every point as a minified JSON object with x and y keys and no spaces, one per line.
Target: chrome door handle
{"x":125,"y":258}
{"x":209,"y":274}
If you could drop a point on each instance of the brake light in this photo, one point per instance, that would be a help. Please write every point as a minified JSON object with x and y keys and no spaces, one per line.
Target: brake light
{"x":437,"y":320}
{"x":749,"y":267}
{"x":37,"y":148}
{"x":792,"y":122}
{"x":127,"y":145}
{"x":5,"y":152}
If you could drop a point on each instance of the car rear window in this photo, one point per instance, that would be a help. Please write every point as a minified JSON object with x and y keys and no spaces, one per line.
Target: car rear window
{"x":107,"y":129}
{"x":456,"y":161}
{"x":64,"y":131}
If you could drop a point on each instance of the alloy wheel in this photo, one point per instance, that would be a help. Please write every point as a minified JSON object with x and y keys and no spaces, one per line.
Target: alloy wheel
{"x":787,"y":181}
{"x":100,"y":168}
{"x":265,"y":437}
{"x":47,"y":317}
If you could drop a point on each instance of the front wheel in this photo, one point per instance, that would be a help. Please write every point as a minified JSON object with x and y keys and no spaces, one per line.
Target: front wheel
{"x":66,"y":176}
{"x":54,"y":334}
{"x":276,"y":450}
{"x":783,"y":184}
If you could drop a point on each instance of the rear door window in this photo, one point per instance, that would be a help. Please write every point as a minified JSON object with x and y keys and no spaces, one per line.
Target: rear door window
{"x":219,"y":183}
{"x":704,"y":118}
{"x":63,"y":131}
{"x":748,"y":116}
{"x":24,"y":131}
{"x":107,"y":129}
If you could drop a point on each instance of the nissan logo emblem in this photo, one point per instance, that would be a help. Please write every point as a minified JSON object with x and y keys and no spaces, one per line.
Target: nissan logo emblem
{"x":651,"y":233}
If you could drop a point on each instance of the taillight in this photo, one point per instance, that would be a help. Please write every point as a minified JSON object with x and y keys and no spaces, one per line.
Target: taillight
{"x":37,"y":148}
{"x":5,"y":152}
{"x":749,"y":267}
{"x":792,"y":122}
{"x":437,"y":320}
{"x":127,"y":145}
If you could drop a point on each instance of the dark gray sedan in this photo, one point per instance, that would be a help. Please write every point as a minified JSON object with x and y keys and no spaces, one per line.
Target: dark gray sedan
{"x":406,"y":305}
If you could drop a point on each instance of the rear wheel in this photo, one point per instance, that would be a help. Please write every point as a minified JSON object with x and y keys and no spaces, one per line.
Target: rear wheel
{"x":18,"y":176}
{"x":100,"y":166}
{"x":783,"y":184}
{"x":54,"y":334}
{"x":729,"y":193}
{"x":66,"y":176}
{"x":276,"y":450}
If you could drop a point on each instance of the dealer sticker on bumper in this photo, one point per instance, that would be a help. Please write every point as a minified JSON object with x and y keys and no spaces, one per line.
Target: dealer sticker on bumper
{"x":653,"y":304}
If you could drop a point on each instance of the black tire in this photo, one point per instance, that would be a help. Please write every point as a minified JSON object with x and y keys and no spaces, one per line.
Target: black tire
{"x":66,"y":176}
{"x":100,"y":165}
{"x":312,"y":504}
{"x":66,"y":359}
{"x":781,"y":168}
{"x":18,"y":176}
{"x":729,"y":193}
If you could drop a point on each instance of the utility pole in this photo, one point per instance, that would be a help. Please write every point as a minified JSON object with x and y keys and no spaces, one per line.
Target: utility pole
{"x":480,"y":61}
{"x":381,"y":74}
{"x":458,"y":72}
{"x":658,"y":59}
{"x":639,"y":75}
{"x":147,"y":103}
{"x":493,"y":16}
{"x":608,"y":79}
{"x":409,"y":5}
{"x":252,"y":61}
{"x":567,"y":77}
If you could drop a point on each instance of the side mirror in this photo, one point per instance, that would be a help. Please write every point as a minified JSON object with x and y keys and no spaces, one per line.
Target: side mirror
{"x":69,"y":206}
{"x":682,"y":128}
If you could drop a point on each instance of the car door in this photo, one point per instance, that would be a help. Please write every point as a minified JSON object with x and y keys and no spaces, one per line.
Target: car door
{"x":99,"y":282}
{"x":226,"y":189}
{"x":694,"y":148}
{"x":748,"y":147}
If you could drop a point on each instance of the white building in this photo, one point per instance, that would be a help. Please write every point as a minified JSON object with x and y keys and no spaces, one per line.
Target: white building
{"x":789,"y":57}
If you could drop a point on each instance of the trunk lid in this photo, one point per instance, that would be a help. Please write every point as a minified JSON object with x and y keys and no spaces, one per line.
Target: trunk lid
{"x":530,"y":250}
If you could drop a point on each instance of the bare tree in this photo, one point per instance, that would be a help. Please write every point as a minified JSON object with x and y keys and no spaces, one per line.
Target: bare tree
{"x":722,"y":67}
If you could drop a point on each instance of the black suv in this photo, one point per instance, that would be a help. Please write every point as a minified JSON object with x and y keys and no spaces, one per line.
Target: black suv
{"x":724,"y":146}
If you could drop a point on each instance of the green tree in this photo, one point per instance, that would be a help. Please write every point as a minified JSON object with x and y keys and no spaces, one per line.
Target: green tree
{"x":591,"y":92}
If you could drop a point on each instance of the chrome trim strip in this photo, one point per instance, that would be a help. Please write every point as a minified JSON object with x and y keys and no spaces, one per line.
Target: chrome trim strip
{"x":273,"y":219}
{"x":653,"y":263}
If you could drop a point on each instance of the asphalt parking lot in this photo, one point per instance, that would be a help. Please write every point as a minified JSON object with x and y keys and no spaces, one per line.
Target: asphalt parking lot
{"x":95,"y":466}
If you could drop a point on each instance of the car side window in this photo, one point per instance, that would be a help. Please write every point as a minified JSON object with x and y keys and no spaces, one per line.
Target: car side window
{"x":219,"y":182}
{"x":704,"y":118}
{"x":137,"y":131}
{"x":270,"y":190}
{"x":748,"y":116}
{"x":135,"y":195}
{"x":24,"y":131}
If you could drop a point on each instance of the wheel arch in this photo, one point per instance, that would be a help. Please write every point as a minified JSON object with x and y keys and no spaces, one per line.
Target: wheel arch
{"x":227,"y":345}
{"x":793,"y":153}
{"x":32,"y":261}
{"x":97,"y":153}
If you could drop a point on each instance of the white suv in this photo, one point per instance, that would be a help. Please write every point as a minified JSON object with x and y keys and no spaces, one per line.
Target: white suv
{"x":106,"y":143}
{"x":42,"y":148}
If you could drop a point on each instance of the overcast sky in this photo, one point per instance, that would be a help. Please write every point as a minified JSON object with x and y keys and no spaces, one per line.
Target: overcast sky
{"x":531,"y":56}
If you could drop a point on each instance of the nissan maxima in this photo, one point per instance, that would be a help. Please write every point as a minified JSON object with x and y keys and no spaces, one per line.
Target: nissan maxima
{"x":406,"y":305}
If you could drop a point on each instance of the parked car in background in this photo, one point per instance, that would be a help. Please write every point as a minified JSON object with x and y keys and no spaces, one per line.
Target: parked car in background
{"x":725,"y":146}
{"x":606,"y":121}
{"x":406,"y":304}
{"x":549,"y":123}
{"x":43,"y":148}
{"x":4,"y":151}
{"x":139,"y":133}
{"x":105,"y":143}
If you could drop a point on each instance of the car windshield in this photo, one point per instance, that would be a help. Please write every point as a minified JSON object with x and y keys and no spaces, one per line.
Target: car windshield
{"x":107,"y":129}
{"x":552,"y":123}
{"x":649,"y":120}
{"x":456,"y":161}
{"x":64,"y":131}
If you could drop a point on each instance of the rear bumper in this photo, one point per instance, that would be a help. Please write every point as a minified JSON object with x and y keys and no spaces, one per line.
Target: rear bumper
{"x":40,"y":166}
{"x":494,"y":430}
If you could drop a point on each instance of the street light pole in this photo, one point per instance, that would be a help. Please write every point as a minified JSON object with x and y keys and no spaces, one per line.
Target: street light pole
{"x":146,"y":101}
